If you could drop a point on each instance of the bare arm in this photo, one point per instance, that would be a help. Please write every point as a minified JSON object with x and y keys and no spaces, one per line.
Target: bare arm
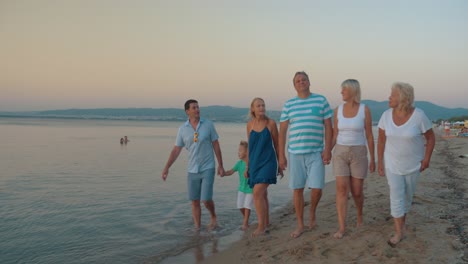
{"x":380,"y":151}
{"x":283,"y":162}
{"x":335,"y":128}
{"x":228,"y":173}
{"x":430,"y":143}
{"x":172,"y":158}
{"x":219,"y":156}
{"x":326,"y":154}
{"x":247,"y":128}
{"x":274,"y":136}
{"x":370,"y":139}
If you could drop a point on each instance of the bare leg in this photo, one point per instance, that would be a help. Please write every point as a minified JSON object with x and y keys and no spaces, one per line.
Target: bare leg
{"x":196,"y":213}
{"x":242,"y":210}
{"x":403,"y":228}
{"x":342,"y":190}
{"x":399,"y":231}
{"x":267,"y":207}
{"x":315,"y":196}
{"x":357,"y":186}
{"x":299,"y":207}
{"x":260,"y":205}
{"x":211,"y":208}
{"x":246,"y":213}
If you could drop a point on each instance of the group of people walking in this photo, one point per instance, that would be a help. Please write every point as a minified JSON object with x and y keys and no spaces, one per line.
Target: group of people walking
{"x":405,"y":144}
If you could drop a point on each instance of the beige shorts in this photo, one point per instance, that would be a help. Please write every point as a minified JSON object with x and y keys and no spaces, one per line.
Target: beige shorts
{"x":350,"y":161}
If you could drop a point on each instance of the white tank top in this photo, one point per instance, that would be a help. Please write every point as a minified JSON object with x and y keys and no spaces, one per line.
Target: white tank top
{"x":351,"y":131}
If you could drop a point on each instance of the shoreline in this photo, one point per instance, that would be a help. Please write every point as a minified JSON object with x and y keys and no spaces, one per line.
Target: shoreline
{"x":437,"y":223}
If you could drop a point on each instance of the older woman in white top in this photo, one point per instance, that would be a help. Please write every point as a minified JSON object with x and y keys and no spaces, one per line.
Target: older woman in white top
{"x":405,"y":145}
{"x":352,"y":130}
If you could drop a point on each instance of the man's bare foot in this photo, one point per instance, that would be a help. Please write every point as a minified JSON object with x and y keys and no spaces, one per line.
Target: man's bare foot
{"x":339,"y":234}
{"x":297,"y":233}
{"x":244,"y":227}
{"x":258,"y":232}
{"x":212,"y":225}
{"x":395,"y":240}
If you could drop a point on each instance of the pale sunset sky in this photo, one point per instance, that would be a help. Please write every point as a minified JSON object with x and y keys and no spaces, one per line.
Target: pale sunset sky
{"x":119,"y":54}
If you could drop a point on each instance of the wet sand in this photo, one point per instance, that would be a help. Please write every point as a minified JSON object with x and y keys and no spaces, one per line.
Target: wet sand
{"x":437,"y":223}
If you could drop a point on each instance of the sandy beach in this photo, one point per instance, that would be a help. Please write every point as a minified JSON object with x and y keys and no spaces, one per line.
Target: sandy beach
{"x":437,"y":223}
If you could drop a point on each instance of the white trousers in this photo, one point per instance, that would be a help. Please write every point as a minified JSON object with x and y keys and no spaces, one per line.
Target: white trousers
{"x":402,"y":188}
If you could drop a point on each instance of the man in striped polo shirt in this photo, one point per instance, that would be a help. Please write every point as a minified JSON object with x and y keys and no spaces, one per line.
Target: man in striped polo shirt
{"x":308,"y":116}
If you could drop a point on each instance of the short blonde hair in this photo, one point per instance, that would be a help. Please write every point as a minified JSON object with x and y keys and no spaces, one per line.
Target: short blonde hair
{"x":406,"y":92}
{"x":354,"y":87}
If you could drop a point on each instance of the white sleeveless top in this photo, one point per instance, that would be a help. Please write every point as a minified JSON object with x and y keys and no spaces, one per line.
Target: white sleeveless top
{"x":351,"y":131}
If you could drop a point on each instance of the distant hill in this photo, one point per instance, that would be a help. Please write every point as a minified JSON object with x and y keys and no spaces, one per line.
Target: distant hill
{"x":215,"y":113}
{"x":433,"y":111}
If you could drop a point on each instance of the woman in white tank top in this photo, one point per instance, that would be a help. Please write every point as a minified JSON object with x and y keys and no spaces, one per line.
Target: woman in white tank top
{"x":351,"y":131}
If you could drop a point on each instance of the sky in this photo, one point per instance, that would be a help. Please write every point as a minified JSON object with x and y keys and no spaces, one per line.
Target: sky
{"x":157,"y":54}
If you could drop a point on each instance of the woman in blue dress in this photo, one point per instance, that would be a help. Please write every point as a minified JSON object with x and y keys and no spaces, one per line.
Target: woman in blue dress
{"x":262,"y":166}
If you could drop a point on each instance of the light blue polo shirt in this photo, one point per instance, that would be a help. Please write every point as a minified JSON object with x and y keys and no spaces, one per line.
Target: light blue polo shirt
{"x":201,"y":154}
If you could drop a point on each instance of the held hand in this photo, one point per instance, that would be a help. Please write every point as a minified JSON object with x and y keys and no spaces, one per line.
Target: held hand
{"x":221,"y":171}
{"x":280,"y":173}
{"x":283,"y":163}
{"x":326,"y":157}
{"x":372,"y":166}
{"x":246,"y":174}
{"x":164,"y":174}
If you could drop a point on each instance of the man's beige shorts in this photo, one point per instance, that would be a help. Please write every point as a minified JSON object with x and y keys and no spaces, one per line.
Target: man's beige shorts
{"x":350,"y":161}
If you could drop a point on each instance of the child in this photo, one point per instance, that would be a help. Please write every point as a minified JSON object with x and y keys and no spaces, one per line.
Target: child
{"x":244,"y":195}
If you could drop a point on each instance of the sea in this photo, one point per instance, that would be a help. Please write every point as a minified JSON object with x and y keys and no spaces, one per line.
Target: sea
{"x":71,"y":193}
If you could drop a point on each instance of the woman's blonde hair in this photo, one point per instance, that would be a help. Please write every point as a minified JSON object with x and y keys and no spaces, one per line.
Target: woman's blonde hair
{"x":406,"y":92}
{"x":353,"y":86}
{"x":251,"y":112}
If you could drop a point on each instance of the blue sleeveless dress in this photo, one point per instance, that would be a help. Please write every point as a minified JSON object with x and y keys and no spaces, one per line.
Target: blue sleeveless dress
{"x":263,"y":165}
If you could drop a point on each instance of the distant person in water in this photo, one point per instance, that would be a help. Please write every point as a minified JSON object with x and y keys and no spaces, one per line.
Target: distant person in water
{"x":122,"y":141}
{"x":447,"y":129}
{"x":245,"y":193}
{"x":126,"y":140}
{"x":262,"y":165}
{"x":200,"y":138}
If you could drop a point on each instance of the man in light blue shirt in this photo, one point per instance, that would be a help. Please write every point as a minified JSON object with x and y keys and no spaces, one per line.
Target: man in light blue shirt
{"x":308,"y":116}
{"x":199,"y":137}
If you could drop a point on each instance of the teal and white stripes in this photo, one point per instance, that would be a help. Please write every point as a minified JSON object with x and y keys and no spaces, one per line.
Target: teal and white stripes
{"x":306,"y":118}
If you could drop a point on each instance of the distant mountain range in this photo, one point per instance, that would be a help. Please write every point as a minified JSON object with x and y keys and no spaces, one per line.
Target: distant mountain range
{"x":215,"y":113}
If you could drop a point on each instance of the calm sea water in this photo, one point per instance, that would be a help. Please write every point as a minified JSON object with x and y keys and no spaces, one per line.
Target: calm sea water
{"x":70,"y":193}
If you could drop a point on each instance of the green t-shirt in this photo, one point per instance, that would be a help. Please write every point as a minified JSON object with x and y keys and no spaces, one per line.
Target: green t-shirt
{"x":243,"y":184}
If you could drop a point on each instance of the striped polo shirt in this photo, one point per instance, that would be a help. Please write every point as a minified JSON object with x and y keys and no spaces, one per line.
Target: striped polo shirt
{"x":306,"y":123}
